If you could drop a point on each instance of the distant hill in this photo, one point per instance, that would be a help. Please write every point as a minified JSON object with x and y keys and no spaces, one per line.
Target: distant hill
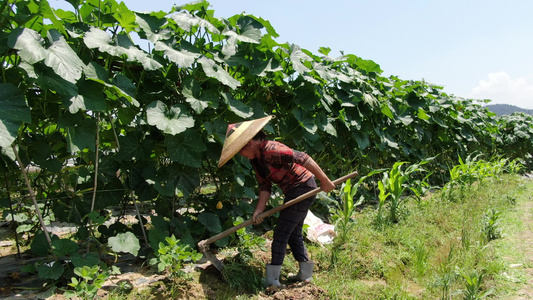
{"x":507,"y":109}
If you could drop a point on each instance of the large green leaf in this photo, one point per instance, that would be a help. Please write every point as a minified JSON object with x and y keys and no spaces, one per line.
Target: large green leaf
{"x":237,"y":107}
{"x":305,"y":120}
{"x":134,"y":146}
{"x":13,"y":112}
{"x":182,"y":57}
{"x":29,"y":43}
{"x":151,"y":27}
{"x":125,"y":242}
{"x":185,"y":148}
{"x":297,"y":56}
{"x":99,"y":39}
{"x":210,"y":221}
{"x":187,"y":180}
{"x":250,"y":31}
{"x":213,"y":70}
{"x":81,"y":133}
{"x":173,"y":120}
{"x":91,"y":259}
{"x":64,"y":247}
{"x":90,"y":97}
{"x":198,"y":98}
{"x":52,"y":270}
{"x":187,"y":21}
{"x":62,"y":59}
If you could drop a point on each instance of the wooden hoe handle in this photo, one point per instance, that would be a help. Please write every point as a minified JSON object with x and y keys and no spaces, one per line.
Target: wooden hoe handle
{"x":204,"y":244}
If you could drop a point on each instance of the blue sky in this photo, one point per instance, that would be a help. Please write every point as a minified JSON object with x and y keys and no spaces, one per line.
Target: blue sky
{"x":474,"y":49}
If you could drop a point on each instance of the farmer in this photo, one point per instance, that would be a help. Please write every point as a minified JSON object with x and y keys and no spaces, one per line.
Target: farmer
{"x":293,"y":171}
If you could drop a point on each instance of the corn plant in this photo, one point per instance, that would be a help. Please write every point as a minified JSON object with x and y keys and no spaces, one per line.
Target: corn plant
{"x":343,"y":218}
{"x":446,"y":274}
{"x":491,"y":225}
{"x":395,"y":183}
{"x":346,"y":208}
{"x":383,"y":195}
{"x":472,"y":290}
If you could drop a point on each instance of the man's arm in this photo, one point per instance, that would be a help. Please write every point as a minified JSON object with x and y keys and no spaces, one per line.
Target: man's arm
{"x":260,"y":207}
{"x":325,"y":183}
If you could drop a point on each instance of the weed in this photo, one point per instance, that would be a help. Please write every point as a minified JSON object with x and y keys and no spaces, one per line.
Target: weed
{"x":420,"y":259}
{"x":90,"y":281}
{"x":247,"y":242}
{"x":172,"y":255}
{"x":240,"y":276}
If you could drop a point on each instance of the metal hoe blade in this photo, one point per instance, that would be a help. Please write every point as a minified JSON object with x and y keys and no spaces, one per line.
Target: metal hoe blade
{"x":204,"y":249}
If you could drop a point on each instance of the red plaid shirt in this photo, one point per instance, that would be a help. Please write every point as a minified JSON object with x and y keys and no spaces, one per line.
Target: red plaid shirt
{"x":281,"y":165}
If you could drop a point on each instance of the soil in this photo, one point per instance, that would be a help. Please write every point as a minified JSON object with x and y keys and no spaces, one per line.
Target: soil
{"x":210,"y":282}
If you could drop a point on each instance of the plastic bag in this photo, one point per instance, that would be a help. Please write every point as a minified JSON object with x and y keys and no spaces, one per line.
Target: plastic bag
{"x":318,"y":231}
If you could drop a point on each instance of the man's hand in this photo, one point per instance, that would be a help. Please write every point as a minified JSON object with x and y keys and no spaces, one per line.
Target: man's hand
{"x":327,"y":185}
{"x":256,"y":219}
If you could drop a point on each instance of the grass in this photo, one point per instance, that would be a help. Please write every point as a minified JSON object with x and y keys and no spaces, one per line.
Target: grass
{"x":433,"y":252}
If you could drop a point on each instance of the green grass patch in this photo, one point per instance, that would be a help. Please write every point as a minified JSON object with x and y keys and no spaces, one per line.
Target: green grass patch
{"x":439,"y":250}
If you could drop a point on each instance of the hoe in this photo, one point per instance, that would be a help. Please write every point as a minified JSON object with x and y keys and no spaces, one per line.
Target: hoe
{"x":204,"y":245}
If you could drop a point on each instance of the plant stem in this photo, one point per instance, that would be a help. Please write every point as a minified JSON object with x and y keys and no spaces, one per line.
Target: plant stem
{"x":139,"y":216}
{"x":23,"y":170}
{"x":12,"y":215}
{"x":95,"y":186}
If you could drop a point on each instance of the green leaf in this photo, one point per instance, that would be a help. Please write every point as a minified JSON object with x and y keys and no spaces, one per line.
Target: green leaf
{"x":213,"y":70}
{"x":237,"y":107}
{"x":187,"y":179}
{"x":368,"y":66}
{"x":13,"y":112}
{"x":305,"y":120}
{"x":126,"y":47}
{"x":80,"y":132}
{"x":151,"y":26}
{"x":91,"y":259}
{"x":125,"y":242}
{"x":249,"y":28}
{"x":198,"y":98}
{"x":186,"y":148}
{"x":297,"y":55}
{"x":29,"y":43}
{"x":64,"y":247}
{"x":125,"y":17}
{"x":134,"y":146}
{"x":90,"y":97}
{"x":187,"y":21}
{"x":99,"y":39}
{"x":62,"y":59}
{"x":173,"y":120}
{"x":52,"y":271}
{"x":181,"y":57}
{"x":210,"y":221}
{"x":387,"y":111}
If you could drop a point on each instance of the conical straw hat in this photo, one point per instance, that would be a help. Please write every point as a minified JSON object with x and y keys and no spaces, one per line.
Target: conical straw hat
{"x":238,"y":135}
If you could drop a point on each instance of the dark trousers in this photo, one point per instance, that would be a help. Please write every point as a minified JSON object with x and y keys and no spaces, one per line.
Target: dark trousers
{"x":288,"y":230}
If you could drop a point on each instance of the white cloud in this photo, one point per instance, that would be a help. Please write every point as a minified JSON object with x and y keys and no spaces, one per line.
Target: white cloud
{"x":502,"y":89}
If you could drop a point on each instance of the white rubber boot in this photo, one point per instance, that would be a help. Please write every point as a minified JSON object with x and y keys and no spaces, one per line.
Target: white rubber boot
{"x":272,"y":275}
{"x":306,"y":271}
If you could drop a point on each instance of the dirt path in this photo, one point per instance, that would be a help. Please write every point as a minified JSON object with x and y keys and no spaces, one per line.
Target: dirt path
{"x":524,"y":240}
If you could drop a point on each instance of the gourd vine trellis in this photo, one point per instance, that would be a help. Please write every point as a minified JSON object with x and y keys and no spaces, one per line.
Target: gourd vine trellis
{"x":109,"y":123}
